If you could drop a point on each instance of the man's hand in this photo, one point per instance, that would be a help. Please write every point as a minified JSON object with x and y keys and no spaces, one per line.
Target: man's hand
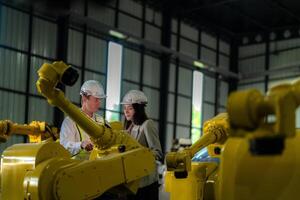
{"x":87,"y":145}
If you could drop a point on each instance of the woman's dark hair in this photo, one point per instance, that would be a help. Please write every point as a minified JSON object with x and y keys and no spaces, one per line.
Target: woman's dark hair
{"x":139,"y":115}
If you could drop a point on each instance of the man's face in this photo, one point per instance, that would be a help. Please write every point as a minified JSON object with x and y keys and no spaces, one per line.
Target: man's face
{"x":129,"y":112}
{"x":92,"y":103}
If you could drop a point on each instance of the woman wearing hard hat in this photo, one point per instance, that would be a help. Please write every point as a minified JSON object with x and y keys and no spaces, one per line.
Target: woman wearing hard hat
{"x":72,"y":137}
{"x":143,"y":130}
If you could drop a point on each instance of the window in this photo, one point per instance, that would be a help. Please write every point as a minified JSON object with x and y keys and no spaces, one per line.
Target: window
{"x":197,"y":105}
{"x":113,"y":81}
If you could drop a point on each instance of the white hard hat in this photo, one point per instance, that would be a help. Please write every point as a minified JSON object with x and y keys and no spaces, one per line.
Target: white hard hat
{"x":135,"y":96}
{"x":93,"y":88}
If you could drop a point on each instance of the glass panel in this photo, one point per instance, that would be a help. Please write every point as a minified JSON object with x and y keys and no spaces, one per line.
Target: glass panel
{"x":126,"y":86}
{"x":151,"y":71}
{"x":14,"y":26}
{"x":169,"y":137}
{"x":208,"y":56}
{"x":101,"y":13}
{"x":174,"y":25}
{"x":44,"y":38}
{"x":171,"y":99}
{"x":250,"y":50}
{"x":12,"y":106}
{"x":208,"y":40}
{"x":189,"y":31}
{"x":224,"y":47}
{"x":223,"y":93}
{"x":174,"y":42}
{"x":172,"y":77}
{"x":13,"y":67}
{"x":132,"y":7}
{"x":224,"y":62}
{"x":96,"y":54}
{"x":182,"y":132}
{"x":75,"y":46}
{"x":209,"y":89}
{"x":113,"y":79}
{"x":185,"y":81}
{"x":40,"y":110}
{"x":153,"y":34}
{"x":197,"y":99}
{"x":153,"y":16}
{"x":208,"y":111}
{"x":189,"y":48}
{"x":184,"y":110}
{"x":152,"y":108}
{"x":131,"y":65}
{"x":130,"y":25}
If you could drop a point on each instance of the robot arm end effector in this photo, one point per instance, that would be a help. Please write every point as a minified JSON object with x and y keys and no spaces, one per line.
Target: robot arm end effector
{"x":54,"y":73}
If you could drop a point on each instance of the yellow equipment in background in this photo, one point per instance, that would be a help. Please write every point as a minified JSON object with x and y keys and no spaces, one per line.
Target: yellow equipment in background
{"x":46,"y":171}
{"x":36,"y":131}
{"x":185,"y":179}
{"x":258,"y":161}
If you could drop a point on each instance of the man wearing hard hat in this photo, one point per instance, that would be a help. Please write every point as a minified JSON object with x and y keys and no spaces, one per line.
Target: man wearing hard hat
{"x":72,"y":137}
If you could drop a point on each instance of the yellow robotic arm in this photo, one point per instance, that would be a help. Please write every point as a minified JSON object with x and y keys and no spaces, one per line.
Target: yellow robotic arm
{"x":215,"y":131}
{"x":187,"y":179}
{"x":36,"y":131}
{"x":102,"y":136}
{"x":46,"y":171}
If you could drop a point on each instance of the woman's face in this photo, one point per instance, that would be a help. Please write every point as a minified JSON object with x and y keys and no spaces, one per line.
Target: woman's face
{"x":129,"y":112}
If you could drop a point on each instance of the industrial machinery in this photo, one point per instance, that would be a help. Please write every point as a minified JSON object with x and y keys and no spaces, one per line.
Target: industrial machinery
{"x":36,"y":131}
{"x":259,"y":159}
{"x":187,"y":179}
{"x":45,"y":170}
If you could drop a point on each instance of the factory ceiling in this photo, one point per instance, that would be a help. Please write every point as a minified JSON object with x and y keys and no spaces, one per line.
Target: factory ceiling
{"x":238,"y":17}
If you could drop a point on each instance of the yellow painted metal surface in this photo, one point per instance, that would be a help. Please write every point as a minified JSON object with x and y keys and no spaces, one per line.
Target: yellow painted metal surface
{"x":36,"y":131}
{"x":246,"y":176}
{"x":199,"y":174}
{"x":260,"y":160}
{"x":191,"y":187}
{"x":19,"y":159}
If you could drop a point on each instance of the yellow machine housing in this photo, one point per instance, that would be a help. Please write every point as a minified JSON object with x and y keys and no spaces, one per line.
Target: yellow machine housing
{"x":260,"y":160}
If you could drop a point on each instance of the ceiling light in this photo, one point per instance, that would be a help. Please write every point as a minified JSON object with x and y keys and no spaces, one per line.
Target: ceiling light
{"x":199,"y":64}
{"x":117,"y":34}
